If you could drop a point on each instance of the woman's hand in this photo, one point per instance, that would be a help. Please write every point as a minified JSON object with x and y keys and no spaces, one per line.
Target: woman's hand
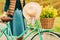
{"x":5,"y":18}
{"x":4,"y":15}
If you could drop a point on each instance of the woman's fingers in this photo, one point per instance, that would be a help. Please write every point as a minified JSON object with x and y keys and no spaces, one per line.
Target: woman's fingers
{"x":6,"y":19}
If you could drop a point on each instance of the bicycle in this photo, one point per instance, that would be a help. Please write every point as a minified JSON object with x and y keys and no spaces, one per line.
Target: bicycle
{"x":40,"y":32}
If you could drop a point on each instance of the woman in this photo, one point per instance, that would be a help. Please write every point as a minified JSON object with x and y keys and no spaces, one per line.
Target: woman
{"x":9,"y":11}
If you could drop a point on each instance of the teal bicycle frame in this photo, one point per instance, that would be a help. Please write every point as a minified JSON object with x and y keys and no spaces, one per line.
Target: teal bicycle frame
{"x":14,"y":37}
{"x":3,"y":31}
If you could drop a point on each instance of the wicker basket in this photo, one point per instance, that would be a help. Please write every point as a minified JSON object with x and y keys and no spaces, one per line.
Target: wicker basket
{"x":47,"y":23}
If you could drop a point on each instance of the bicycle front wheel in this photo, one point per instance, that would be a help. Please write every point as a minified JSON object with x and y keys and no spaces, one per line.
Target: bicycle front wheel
{"x":47,"y":36}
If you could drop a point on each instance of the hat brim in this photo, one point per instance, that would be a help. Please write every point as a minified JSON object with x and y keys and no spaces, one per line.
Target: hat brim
{"x":35,"y":5}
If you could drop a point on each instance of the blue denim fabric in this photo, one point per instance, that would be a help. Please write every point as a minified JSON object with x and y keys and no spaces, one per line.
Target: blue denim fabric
{"x":18,"y":23}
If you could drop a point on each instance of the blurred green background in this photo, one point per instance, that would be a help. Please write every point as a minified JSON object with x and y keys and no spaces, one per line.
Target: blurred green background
{"x":54,"y":3}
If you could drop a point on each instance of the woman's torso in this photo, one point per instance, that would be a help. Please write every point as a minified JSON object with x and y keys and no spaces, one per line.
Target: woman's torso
{"x":18,"y":5}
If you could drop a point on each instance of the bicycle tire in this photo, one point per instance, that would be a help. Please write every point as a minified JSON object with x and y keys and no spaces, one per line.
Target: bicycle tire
{"x":57,"y":36}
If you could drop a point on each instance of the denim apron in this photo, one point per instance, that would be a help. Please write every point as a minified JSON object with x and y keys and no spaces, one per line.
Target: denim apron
{"x":17,"y":25}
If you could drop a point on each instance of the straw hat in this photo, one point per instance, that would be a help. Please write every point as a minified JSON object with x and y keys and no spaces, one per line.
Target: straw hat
{"x":31,"y":12}
{"x":32,"y":9}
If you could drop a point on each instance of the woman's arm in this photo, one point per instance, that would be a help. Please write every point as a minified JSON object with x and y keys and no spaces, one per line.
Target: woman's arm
{"x":5,"y":9}
{"x":7,"y":3}
{"x":4,"y":17}
{"x":22,"y":3}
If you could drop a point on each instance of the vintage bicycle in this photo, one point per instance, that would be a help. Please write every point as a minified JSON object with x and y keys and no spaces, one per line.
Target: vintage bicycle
{"x":35,"y":37}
